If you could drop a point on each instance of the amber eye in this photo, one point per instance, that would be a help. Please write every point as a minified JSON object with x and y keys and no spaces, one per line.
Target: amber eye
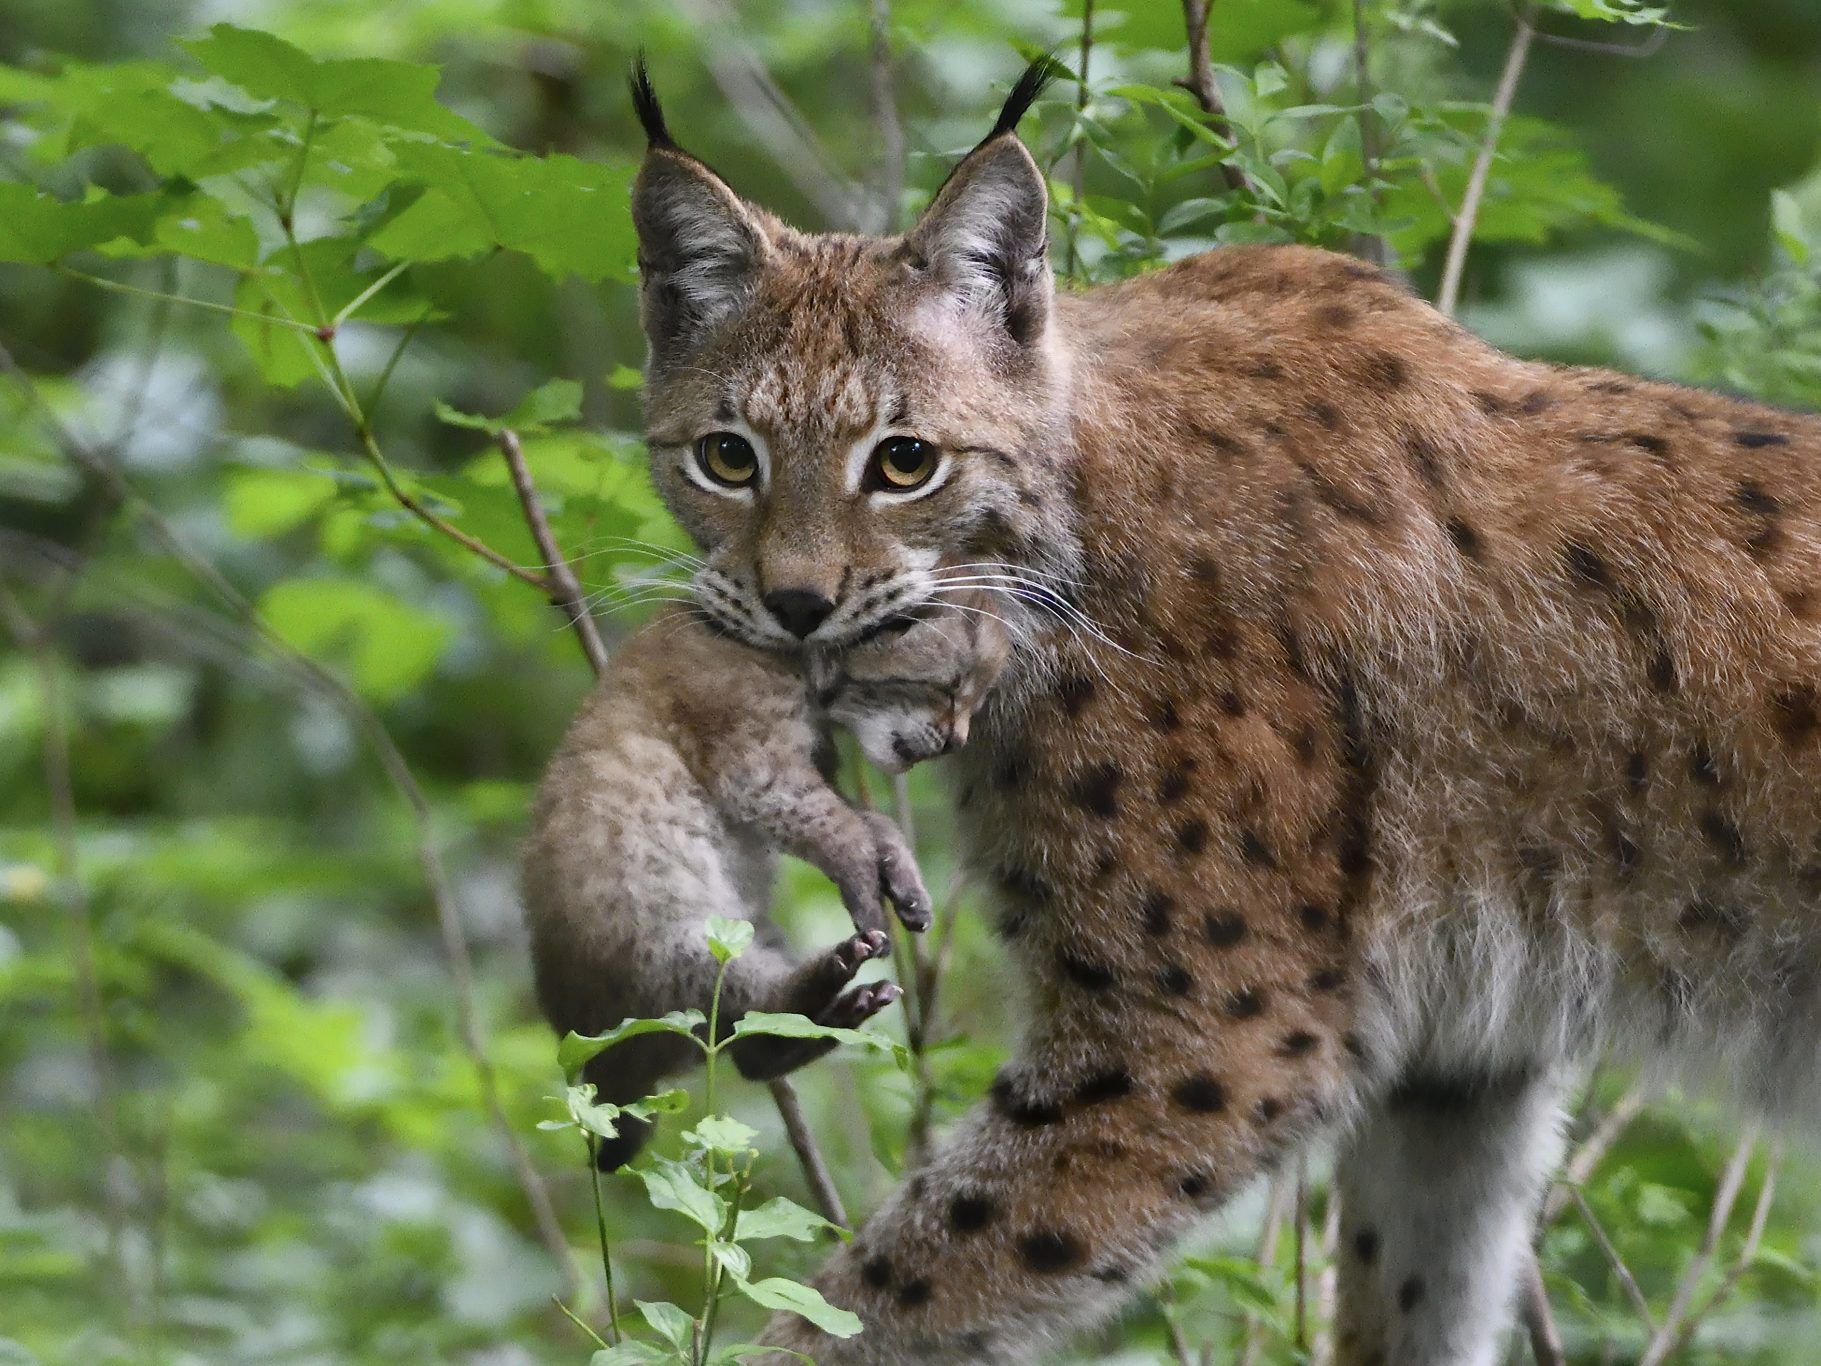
{"x":902,"y":463}
{"x":728,"y":459}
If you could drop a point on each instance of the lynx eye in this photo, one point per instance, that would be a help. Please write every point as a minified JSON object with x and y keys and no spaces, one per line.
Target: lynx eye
{"x":900,"y":464}
{"x":728,"y":459}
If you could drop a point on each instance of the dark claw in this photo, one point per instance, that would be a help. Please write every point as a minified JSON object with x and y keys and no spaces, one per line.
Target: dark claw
{"x":855,"y":1007}
{"x":864,"y":946}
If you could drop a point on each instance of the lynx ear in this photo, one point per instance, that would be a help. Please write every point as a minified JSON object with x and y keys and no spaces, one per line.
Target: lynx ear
{"x":700,"y":245}
{"x":985,"y":239}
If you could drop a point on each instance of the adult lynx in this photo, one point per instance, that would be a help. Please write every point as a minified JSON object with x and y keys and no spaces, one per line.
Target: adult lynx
{"x":1396,"y":724}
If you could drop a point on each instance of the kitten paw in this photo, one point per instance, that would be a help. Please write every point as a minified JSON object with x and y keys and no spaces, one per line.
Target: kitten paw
{"x":900,"y":881}
{"x":854,"y":1007}
{"x":850,"y":953}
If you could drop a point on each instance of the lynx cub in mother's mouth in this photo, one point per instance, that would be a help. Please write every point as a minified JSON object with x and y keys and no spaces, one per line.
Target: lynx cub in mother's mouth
{"x":693,"y":762}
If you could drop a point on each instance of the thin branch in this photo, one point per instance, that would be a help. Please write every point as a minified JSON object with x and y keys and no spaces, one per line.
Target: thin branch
{"x":1539,"y":1319}
{"x":886,"y":120}
{"x":1265,"y":1254}
{"x":1634,"y":51}
{"x":565,"y":590}
{"x":1327,"y":1283}
{"x":1579,"y":1168}
{"x":1079,"y":161}
{"x":809,"y":1156}
{"x":769,"y":113}
{"x":1627,"y":1281}
{"x":1726,"y":1194}
{"x":1748,"y":1251}
{"x":33,"y":638}
{"x":1178,"y":1343}
{"x":1448,"y":297}
{"x":1301,"y":1229}
{"x":392,"y":760}
{"x":1369,"y":152}
{"x":1201,"y":84}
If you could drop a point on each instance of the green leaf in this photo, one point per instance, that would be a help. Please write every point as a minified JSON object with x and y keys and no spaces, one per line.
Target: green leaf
{"x":671,"y":1185}
{"x":779,"y":1218}
{"x":577,"y":1049}
{"x":267,"y":502}
{"x":399,"y":94}
{"x":388,"y":645}
{"x":558,"y":401}
{"x":570,"y":217}
{"x":746,"y":1351}
{"x":778,"y":1293}
{"x":631,"y":1352}
{"x":736,"y":1260}
{"x":1242,"y":29}
{"x":786,"y":1026}
{"x":669,"y":1322}
{"x":1787,"y":222}
{"x":722,"y":1134}
{"x":36,"y":229}
{"x":727,"y":938}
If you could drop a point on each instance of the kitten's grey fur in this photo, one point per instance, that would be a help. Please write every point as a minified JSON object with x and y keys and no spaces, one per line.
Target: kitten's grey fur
{"x":691,"y":764}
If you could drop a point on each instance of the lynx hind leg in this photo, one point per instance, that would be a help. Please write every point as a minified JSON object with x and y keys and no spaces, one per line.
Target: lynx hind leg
{"x":1439,"y":1191}
{"x":819,"y":989}
{"x":900,"y":880}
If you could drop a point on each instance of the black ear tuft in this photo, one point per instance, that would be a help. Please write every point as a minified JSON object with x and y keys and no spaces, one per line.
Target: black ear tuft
{"x":1037,"y":75}
{"x":645,"y":104}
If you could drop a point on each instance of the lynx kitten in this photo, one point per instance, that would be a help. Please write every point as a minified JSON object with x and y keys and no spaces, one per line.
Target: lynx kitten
{"x":695,"y":760}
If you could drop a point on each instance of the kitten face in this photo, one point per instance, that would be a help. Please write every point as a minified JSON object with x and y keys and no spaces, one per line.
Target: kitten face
{"x":909,"y":695}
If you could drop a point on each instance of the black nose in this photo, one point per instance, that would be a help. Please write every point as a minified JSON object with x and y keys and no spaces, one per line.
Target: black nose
{"x":798,"y":610}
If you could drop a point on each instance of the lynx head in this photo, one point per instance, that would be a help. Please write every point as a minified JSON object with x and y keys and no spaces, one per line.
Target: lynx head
{"x":908,"y":692}
{"x":851,"y":427}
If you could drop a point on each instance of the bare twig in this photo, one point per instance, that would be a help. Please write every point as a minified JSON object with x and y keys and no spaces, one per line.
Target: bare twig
{"x":33,"y":638}
{"x":1327,"y":1284}
{"x":1201,"y":84}
{"x":803,"y":1140}
{"x":886,"y":120}
{"x":1277,"y":1203}
{"x":565,"y":590}
{"x":1369,"y":153}
{"x":1627,"y":1281}
{"x":1302,"y":1252}
{"x":1580,"y":1166}
{"x":1178,"y":1343}
{"x":392,"y":760}
{"x":1635,"y":51}
{"x":1539,"y":1319}
{"x":1748,"y":1251}
{"x":1726,"y":1195}
{"x":1078,"y":162}
{"x":1448,"y":297}
{"x":742,"y":78}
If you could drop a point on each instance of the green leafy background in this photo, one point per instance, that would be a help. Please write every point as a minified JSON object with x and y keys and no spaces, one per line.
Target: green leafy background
{"x":260,"y":1137}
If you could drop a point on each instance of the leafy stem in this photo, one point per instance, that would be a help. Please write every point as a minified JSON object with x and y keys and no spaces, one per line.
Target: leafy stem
{"x":712,"y":1307}
{"x":600,"y":1229}
{"x":122,"y":287}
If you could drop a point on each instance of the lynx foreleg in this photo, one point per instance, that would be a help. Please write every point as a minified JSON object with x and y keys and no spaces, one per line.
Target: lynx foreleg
{"x":1091,"y":1158}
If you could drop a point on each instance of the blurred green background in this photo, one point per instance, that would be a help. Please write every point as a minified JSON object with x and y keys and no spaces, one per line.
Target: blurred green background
{"x":237,"y":1121}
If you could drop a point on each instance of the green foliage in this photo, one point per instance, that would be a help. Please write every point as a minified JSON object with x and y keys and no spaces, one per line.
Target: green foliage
{"x":280,"y":277}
